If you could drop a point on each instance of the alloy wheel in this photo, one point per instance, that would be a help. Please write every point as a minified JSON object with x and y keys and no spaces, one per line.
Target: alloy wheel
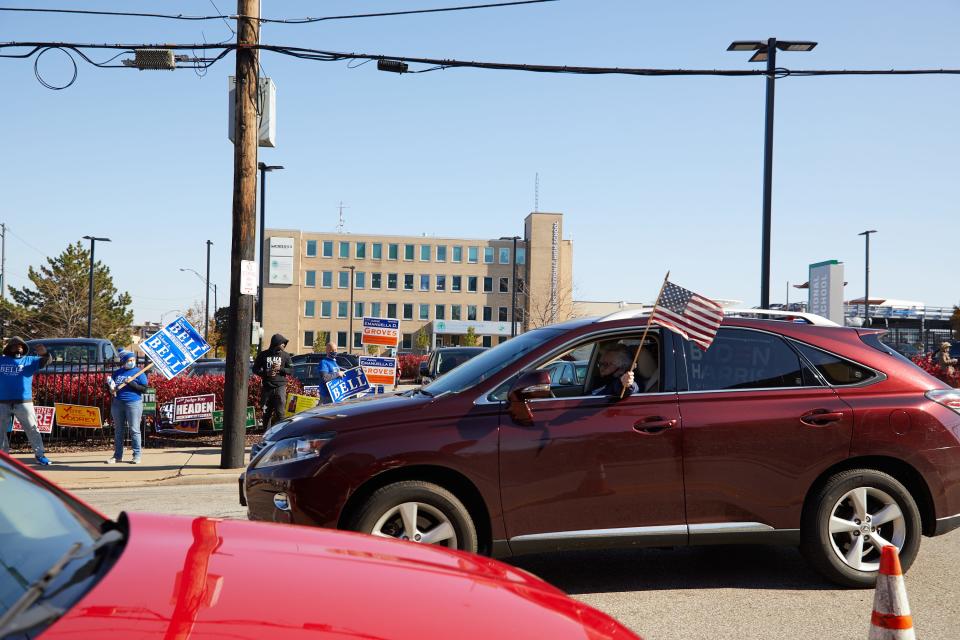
{"x":416,"y":522}
{"x":862,"y":522}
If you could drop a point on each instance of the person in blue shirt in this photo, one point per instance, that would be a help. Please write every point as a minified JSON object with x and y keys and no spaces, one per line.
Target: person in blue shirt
{"x":16,"y":393}
{"x":127,"y":385}
{"x":328,"y":370}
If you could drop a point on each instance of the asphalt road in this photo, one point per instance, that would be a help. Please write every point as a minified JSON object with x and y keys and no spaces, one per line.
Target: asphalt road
{"x":708,"y":593}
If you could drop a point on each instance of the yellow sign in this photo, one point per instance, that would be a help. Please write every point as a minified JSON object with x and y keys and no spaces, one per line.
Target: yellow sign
{"x":297,"y":403}
{"x":76,"y":415}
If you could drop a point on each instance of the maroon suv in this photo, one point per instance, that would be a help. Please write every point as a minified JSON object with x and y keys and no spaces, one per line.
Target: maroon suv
{"x":781,"y":432}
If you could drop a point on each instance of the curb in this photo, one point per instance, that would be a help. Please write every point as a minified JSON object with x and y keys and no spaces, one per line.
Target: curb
{"x":207,"y":479}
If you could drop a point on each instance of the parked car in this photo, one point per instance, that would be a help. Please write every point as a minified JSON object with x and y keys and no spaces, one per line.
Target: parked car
{"x":444,"y":360}
{"x":800,"y":433}
{"x":74,"y":351}
{"x":344,"y":360}
{"x":69,"y":572}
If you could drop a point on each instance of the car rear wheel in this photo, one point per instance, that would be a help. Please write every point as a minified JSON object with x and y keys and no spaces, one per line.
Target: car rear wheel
{"x":851,"y":518}
{"x":420,"y":512}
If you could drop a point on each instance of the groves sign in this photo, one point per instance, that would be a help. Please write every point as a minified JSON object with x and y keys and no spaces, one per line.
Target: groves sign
{"x":379,"y":370}
{"x":383,"y":332}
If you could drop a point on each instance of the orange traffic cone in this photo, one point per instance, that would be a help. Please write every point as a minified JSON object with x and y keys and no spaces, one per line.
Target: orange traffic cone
{"x":891,"y":619}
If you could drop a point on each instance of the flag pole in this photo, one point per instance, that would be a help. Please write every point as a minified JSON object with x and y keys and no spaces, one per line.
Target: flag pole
{"x":646,"y":330}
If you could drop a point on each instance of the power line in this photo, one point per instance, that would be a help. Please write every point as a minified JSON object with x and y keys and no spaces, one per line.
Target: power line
{"x":306,"y":20}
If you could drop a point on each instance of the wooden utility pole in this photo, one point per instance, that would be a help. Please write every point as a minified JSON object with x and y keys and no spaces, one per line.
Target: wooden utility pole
{"x":244,"y":234}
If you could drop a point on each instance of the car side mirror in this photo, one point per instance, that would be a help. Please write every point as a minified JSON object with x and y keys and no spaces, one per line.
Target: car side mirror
{"x":530,"y":385}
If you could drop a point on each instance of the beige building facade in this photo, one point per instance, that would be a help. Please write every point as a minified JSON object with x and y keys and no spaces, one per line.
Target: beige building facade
{"x":442,"y":285}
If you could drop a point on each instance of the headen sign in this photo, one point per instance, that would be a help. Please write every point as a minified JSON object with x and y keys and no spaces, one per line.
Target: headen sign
{"x":194,"y":407}
{"x":384,"y":332}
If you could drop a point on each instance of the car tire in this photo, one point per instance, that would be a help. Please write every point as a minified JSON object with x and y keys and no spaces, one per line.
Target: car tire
{"x":420,"y":512}
{"x":840,"y":534}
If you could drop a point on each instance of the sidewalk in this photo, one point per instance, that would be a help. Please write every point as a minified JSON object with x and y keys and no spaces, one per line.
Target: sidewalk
{"x":160,"y":467}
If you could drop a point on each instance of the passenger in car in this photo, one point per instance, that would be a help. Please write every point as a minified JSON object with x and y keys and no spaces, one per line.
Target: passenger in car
{"x":613,"y":367}
{"x":647,"y":372}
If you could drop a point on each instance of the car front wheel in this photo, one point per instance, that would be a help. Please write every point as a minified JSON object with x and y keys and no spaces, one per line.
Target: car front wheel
{"x":420,"y":512}
{"x":851,"y":518}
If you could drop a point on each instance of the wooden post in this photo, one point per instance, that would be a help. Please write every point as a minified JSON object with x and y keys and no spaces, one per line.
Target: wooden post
{"x":244,"y":234}
{"x":646,"y":330}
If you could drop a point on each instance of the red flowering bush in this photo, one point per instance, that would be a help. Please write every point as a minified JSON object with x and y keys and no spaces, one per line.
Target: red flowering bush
{"x":180,"y":386}
{"x":928,"y":364}
{"x":409,"y":365}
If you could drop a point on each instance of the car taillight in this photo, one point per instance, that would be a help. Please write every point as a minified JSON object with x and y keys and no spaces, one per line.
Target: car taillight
{"x":949,"y":398}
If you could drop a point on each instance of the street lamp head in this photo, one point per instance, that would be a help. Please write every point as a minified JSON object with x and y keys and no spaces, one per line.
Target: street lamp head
{"x":510,"y":237}
{"x":866,"y":233}
{"x":746,"y":45}
{"x":761,"y":48}
{"x":268,"y":167}
{"x":795,"y":45}
{"x":96,"y":239}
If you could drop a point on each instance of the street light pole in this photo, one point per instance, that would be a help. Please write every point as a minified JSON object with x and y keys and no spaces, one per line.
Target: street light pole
{"x":350,"y":315}
{"x":513,"y":303}
{"x":93,"y":244}
{"x":264,"y":168}
{"x":767,"y":51}
{"x":206,"y":307}
{"x":866,"y":277}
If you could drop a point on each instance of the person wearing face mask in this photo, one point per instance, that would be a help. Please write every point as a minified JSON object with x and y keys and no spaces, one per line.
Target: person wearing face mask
{"x":16,"y":393}
{"x":127,"y":405}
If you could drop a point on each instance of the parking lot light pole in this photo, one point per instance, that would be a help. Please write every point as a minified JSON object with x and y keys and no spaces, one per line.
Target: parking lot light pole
{"x":351,"y":311}
{"x":866,"y":278}
{"x":264,"y":168}
{"x":513,"y":304}
{"x":93,"y":243}
{"x":767,"y":52}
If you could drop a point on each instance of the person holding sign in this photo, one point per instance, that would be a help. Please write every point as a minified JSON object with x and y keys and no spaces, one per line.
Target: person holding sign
{"x":273,"y":365}
{"x":328,"y":370}
{"x":127,"y":385}
{"x":16,"y":393}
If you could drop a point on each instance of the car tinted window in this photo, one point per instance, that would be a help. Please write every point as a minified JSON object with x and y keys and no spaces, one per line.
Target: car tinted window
{"x":873,"y":340}
{"x":834,"y":369}
{"x":744,"y":359}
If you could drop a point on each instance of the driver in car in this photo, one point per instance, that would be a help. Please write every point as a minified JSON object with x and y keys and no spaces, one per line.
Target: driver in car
{"x":615,"y":374}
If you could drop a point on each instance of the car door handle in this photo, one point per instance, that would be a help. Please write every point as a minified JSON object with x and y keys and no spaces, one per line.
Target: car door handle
{"x":821,"y":417}
{"x":654,"y":424}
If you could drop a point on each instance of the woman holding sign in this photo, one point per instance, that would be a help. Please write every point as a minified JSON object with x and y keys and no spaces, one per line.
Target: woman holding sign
{"x":127,"y":385}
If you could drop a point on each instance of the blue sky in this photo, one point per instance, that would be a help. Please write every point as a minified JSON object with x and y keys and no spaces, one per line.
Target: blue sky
{"x":651,"y":173}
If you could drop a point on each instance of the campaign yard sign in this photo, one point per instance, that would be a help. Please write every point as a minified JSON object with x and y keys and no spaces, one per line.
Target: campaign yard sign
{"x":44,"y":420}
{"x":194,"y":407}
{"x":353,"y":382}
{"x":297,"y":403}
{"x":175,"y":347}
{"x":379,"y":370}
{"x":150,"y":401}
{"x":218,"y":419}
{"x":76,"y":415}
{"x":383,"y":332}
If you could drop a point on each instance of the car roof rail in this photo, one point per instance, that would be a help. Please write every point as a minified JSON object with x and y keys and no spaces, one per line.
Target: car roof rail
{"x":760,"y":314}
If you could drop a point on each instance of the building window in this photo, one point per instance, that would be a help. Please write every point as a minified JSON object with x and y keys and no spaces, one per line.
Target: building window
{"x":457,"y":253}
{"x":326,"y":280}
{"x":488,"y":255}
{"x":308,"y":339}
{"x":344,"y":249}
{"x":357,"y":340}
{"x":425,"y":251}
{"x":360,"y":252}
{"x":472,"y":255}
{"x":378,"y":251}
{"x":504,"y":255}
{"x":328,"y":248}
{"x":408,"y":282}
{"x":325,"y":308}
{"x":487,"y":341}
{"x":441,"y":253}
{"x":424,"y":282}
{"x":471,"y":312}
{"x":424,"y":312}
{"x":357,"y":309}
{"x":376,"y":280}
{"x":375,"y":308}
{"x":441,"y":283}
{"x":309,"y":278}
{"x":342,"y":306}
{"x":342,"y":338}
{"x":408,"y":251}
{"x":487,"y":314}
{"x":455,"y":312}
{"x":440,"y":312}
{"x":311,"y":248}
{"x":392,"y":310}
{"x":472,"y":284}
{"x":407,"y":311}
{"x":393,"y":251}
{"x":487,"y":284}
{"x":391,"y":281}
{"x":360,"y":279}
{"x":456,"y":283}
{"x":309,"y":308}
{"x":521,"y":255}
{"x":502,"y":314}
{"x":407,"y":342}
{"x":504,"y":285}
{"x":343,"y":279}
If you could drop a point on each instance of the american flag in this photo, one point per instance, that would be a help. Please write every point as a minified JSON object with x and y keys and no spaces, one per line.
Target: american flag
{"x":692,"y":316}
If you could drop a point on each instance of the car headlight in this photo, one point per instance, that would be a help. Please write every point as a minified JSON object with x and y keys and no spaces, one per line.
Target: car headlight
{"x":292,"y":450}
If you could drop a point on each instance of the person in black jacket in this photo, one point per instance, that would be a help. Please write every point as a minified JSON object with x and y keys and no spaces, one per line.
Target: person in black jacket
{"x":273,"y":365}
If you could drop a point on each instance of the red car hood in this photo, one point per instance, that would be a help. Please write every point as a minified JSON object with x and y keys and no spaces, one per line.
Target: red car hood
{"x":202,"y":578}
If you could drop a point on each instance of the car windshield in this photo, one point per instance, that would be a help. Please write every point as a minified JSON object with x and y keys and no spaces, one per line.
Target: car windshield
{"x":490,"y":362}
{"x":73,"y":353}
{"x":37,"y":528}
{"x":451,"y":360}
